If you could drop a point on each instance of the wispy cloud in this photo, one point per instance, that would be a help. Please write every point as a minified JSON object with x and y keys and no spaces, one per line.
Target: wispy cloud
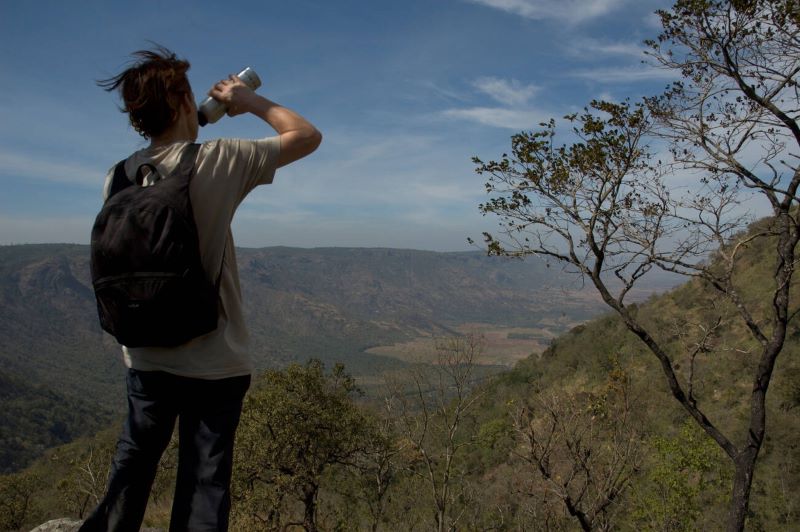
{"x":21,"y":165}
{"x":583,"y":47}
{"x":416,"y":230}
{"x":516,"y":112}
{"x":606,"y":96}
{"x":575,"y":11}
{"x":432,"y":88}
{"x":652,"y":21}
{"x":508,"y":92}
{"x":625,"y":74}
{"x":498,"y":117}
{"x":356,"y":177}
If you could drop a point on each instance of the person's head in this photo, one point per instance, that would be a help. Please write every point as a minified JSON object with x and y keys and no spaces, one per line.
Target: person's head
{"x":155,"y":91}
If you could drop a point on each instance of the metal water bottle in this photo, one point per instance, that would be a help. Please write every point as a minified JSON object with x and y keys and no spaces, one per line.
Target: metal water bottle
{"x":212,"y":110}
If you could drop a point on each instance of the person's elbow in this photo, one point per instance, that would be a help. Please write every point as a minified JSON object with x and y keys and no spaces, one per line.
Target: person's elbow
{"x":314,"y":140}
{"x":309,"y":141}
{"x":298,"y":144}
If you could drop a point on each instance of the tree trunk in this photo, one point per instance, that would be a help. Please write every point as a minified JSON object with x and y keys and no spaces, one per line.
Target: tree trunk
{"x":745,"y":460}
{"x":586,"y":524}
{"x":742,"y":481}
{"x":310,"y":504}
{"x":440,"y":520}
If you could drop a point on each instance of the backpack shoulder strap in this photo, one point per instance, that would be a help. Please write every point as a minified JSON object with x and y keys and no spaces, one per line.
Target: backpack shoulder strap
{"x":185,"y":169}
{"x":119,"y":180}
{"x":140,"y":173}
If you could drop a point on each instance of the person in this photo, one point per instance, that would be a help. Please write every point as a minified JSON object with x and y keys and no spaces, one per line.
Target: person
{"x":201,"y":383}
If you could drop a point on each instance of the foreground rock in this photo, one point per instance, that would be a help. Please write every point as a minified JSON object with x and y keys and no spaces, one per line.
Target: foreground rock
{"x":72,"y":525}
{"x":59,"y":525}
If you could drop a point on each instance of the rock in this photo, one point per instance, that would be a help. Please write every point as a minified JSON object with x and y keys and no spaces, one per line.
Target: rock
{"x":72,"y":525}
{"x":59,"y":525}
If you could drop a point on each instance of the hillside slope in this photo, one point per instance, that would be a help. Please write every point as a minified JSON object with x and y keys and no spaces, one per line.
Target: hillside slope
{"x":330,"y":304}
{"x":34,"y":418}
{"x":681,"y":481}
{"x":584,"y":362}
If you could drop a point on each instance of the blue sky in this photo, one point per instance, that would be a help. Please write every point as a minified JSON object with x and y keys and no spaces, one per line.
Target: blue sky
{"x":405,"y":94}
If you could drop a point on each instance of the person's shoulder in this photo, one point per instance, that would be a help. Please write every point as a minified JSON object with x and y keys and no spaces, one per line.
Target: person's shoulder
{"x":217,"y":147}
{"x":233,"y":147}
{"x":233,"y":143}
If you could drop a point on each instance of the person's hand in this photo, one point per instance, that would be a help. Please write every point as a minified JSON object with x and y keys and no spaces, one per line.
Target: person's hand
{"x":233,"y":93}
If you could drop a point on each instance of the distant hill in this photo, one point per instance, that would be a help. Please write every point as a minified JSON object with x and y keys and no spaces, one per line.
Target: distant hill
{"x":336,"y":302}
{"x":327,"y":303}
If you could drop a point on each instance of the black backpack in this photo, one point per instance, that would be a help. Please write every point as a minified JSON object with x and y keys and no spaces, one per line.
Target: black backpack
{"x":150,"y":285}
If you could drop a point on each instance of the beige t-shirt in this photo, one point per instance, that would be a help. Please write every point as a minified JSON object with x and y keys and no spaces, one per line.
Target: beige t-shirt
{"x":226,"y":171}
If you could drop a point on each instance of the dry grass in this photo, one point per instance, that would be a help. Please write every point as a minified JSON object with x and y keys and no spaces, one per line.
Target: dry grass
{"x":504,"y":345}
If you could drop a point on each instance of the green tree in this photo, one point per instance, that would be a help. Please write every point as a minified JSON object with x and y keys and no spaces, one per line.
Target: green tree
{"x":687,"y":468}
{"x":17,"y":493}
{"x":603,"y":205}
{"x":296,"y":425}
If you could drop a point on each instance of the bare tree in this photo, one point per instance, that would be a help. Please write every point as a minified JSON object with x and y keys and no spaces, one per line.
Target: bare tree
{"x":585,"y":451}
{"x":605,"y":206}
{"x":379,"y":465}
{"x":434,"y":421}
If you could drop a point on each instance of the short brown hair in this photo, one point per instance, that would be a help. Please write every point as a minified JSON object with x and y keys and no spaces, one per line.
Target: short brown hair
{"x":152,"y":90}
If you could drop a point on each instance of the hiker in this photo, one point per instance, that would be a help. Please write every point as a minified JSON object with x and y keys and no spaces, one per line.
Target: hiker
{"x":201,"y":382}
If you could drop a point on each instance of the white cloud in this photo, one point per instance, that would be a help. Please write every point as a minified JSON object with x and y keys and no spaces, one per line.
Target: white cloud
{"x":396,"y":190}
{"x":388,"y":186}
{"x":508,"y":92}
{"x":619,"y":48}
{"x":516,"y":113}
{"x":606,"y":96}
{"x":652,"y":21}
{"x":564,"y":10}
{"x":499,"y":117}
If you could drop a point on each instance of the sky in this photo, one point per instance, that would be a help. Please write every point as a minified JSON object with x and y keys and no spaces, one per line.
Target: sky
{"x":405,"y":94}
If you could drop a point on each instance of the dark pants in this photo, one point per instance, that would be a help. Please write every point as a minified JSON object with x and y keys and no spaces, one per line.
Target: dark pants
{"x":209,"y":412}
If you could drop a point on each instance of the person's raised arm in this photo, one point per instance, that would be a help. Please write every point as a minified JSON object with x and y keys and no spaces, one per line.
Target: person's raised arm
{"x":298,"y":136}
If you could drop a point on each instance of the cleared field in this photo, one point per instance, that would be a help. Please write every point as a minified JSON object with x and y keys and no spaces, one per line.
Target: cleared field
{"x":502,"y":345}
